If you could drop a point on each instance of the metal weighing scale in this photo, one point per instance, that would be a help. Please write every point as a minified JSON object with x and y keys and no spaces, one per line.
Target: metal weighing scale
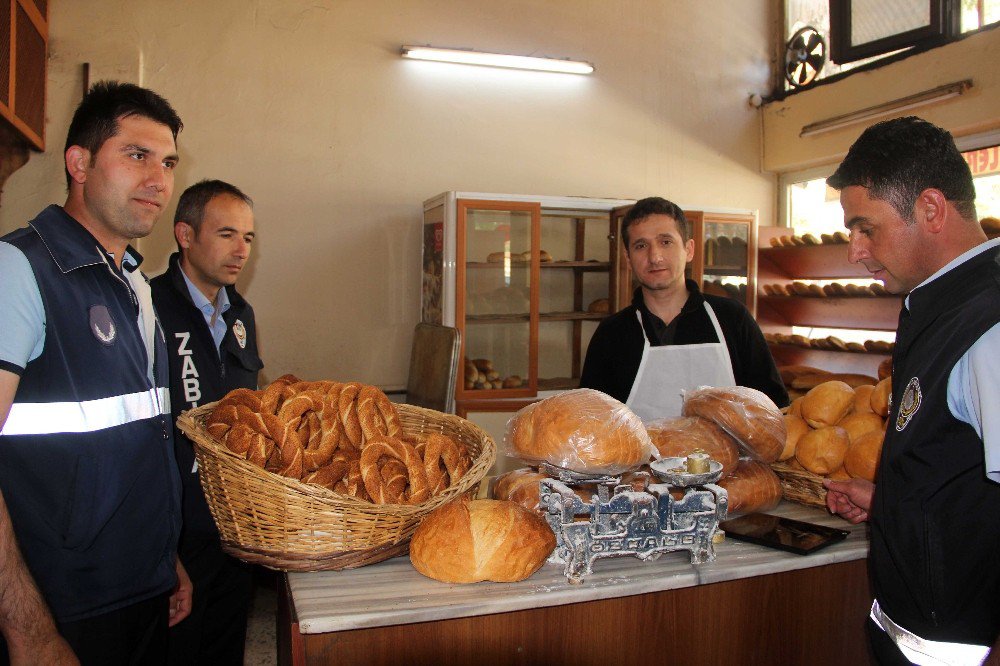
{"x":621,"y":521}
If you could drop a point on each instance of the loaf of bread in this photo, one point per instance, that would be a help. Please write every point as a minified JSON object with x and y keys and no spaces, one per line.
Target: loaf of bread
{"x":795,"y":427}
{"x":496,"y":257}
{"x":827,"y":403}
{"x":822,"y":451}
{"x":684,"y":435}
{"x":863,"y":455}
{"x":858,"y":423}
{"x":752,"y":487}
{"x":863,"y":400}
{"x":519,"y":486}
{"x":467,"y":541}
{"x":747,"y":414}
{"x":599,"y":306}
{"x":880,"y":397}
{"x":582,"y":430}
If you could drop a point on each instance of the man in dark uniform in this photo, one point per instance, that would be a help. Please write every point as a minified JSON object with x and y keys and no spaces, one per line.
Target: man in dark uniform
{"x":212,"y":345}
{"x":909,"y":203}
{"x":673,"y":338}
{"x":86,"y":443}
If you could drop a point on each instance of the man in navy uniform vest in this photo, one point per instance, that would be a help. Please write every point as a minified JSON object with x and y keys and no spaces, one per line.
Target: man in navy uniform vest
{"x":909,"y":203}
{"x":87,"y":464}
{"x":212,"y":344}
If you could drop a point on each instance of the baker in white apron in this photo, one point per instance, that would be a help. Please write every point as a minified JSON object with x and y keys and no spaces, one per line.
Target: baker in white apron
{"x":664,"y":372}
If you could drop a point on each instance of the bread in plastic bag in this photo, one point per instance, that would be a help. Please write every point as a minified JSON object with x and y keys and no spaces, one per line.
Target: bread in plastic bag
{"x":748,"y":415}
{"x":582,"y":430}
{"x":683,"y":435}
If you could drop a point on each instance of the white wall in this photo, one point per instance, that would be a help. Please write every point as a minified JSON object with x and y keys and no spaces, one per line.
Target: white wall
{"x":307,"y":106}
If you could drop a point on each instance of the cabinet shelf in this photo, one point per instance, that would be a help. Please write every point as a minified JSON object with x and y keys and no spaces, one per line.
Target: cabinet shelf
{"x":813,"y":262}
{"x":861,"y":363}
{"x":738,"y":270}
{"x":582,"y":266}
{"x":880,"y":313}
{"x":543,"y":317}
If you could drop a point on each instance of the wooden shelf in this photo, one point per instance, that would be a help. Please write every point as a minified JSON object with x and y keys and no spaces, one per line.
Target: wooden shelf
{"x":878,"y":313}
{"x":582,"y":266}
{"x":543,"y":317}
{"x":865,"y":363}
{"x":736,"y":271}
{"x":812,"y":262}
{"x":558,"y":383}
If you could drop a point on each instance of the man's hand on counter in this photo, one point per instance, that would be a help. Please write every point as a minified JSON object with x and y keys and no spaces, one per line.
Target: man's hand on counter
{"x":851,"y":500}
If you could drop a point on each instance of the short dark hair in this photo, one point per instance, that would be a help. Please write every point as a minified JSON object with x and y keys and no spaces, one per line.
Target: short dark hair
{"x":896,"y":160}
{"x":191,"y":205}
{"x":643,"y":208}
{"x":96,"y":118}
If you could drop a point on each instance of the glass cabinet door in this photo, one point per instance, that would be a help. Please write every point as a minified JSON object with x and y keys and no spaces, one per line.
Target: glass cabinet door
{"x":726,"y":263}
{"x":497,"y":297}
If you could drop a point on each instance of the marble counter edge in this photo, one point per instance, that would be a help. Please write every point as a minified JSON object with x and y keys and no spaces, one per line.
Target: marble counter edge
{"x":392,"y":592}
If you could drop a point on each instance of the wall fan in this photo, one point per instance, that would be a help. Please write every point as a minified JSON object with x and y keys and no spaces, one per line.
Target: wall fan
{"x":805,"y":55}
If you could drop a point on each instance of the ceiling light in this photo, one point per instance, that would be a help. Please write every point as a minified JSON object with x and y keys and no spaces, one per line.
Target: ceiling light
{"x":467,"y":57}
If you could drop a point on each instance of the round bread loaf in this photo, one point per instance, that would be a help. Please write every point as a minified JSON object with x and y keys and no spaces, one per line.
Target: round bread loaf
{"x":521,"y":487}
{"x":496,"y":257}
{"x":863,"y":399}
{"x":796,"y":406}
{"x":795,"y":427}
{"x":752,"y":487}
{"x":746,"y":414}
{"x":859,"y":423}
{"x":880,"y":397}
{"x":885,"y":368}
{"x":822,"y":451}
{"x":681,"y":436}
{"x":826,"y":403}
{"x":839,"y":474}
{"x":582,"y":430}
{"x":863,"y":455}
{"x":467,"y":541}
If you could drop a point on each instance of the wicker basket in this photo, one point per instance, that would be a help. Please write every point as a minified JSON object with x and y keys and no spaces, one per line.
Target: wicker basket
{"x":288,"y":525}
{"x":801,"y":486}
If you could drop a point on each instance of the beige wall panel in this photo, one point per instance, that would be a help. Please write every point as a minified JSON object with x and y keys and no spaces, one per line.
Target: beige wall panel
{"x":978,"y":110}
{"x":308,"y":107}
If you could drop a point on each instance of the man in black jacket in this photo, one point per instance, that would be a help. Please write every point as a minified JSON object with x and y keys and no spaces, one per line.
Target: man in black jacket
{"x":673,"y":338}
{"x":909,"y":203}
{"x":212,"y":347}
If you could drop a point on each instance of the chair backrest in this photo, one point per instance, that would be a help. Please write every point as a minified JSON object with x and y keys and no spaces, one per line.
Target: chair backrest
{"x":433,"y":367}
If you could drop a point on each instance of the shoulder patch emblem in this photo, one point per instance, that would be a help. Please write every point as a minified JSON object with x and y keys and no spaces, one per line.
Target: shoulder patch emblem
{"x":909,"y":404}
{"x":102,"y":325}
{"x":240,"y":331}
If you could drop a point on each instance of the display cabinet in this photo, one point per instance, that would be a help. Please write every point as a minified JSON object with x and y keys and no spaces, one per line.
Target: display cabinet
{"x":525,"y":279}
{"x":864,"y":307}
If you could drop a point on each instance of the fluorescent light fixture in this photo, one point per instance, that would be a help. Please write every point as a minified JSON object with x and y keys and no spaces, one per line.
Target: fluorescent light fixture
{"x":918,"y":100}
{"x":468,"y":57}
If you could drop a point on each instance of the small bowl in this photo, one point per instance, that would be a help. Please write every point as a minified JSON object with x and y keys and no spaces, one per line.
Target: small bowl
{"x":671,"y":470}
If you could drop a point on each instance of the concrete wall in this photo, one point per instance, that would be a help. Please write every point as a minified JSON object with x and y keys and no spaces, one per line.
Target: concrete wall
{"x":307,"y":106}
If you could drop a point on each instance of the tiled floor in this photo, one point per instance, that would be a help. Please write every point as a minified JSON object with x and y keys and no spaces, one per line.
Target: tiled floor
{"x":261,"y":646}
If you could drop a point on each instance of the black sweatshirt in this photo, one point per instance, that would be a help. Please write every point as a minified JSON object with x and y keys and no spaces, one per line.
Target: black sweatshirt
{"x":616,"y":349}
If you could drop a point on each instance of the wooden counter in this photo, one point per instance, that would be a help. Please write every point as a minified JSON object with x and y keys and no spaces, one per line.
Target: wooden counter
{"x":753,"y":605}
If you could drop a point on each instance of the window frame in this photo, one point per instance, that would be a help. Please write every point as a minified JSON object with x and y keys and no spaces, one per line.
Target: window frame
{"x":944,"y":26}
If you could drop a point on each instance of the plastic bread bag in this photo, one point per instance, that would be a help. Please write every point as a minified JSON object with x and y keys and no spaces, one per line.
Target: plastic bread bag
{"x":582,"y":430}
{"x":681,"y":436}
{"x":753,"y":486}
{"x":748,"y":415}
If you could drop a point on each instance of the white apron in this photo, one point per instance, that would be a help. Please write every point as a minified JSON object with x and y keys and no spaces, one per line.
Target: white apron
{"x":666,"y":371}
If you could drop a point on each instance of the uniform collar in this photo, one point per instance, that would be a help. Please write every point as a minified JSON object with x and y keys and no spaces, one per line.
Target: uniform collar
{"x":180,"y":283}
{"x":694,"y":301}
{"x":71,"y":246}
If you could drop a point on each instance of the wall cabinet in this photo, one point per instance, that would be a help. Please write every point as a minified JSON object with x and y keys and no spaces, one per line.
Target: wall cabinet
{"x":23,"y":48}
{"x":867,"y":309}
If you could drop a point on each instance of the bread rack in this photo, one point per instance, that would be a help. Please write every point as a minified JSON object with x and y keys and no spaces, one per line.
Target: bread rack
{"x":625,"y":522}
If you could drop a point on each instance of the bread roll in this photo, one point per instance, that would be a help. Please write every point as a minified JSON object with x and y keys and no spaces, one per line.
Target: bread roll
{"x":863,"y":455}
{"x":790,"y":372}
{"x":746,"y":414}
{"x":827,"y":403}
{"x":839,"y":474}
{"x":467,"y":541}
{"x":796,"y":407}
{"x":496,"y":257}
{"x":822,"y":451}
{"x":543,"y":255}
{"x":582,"y":430}
{"x":863,"y":400}
{"x":885,"y":368}
{"x":795,"y":427}
{"x":512,"y":382}
{"x":880,"y":397}
{"x":859,"y":423}
{"x":679,"y":437}
{"x":752,"y":487}
{"x":599,"y":306}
